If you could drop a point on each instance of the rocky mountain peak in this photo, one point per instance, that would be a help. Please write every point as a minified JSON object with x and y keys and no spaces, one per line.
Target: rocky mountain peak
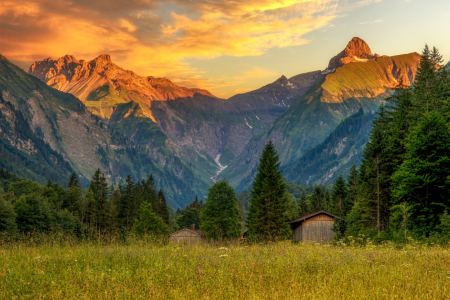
{"x":356,"y":50}
{"x":80,"y":78}
{"x":104,"y":58}
{"x":357,"y":47}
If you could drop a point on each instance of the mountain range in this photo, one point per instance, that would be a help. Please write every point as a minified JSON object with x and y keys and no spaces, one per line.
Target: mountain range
{"x":94,"y":114}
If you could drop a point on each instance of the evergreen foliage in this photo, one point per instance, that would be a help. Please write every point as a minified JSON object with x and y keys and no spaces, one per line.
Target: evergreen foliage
{"x":220,"y":216}
{"x":267,"y":211}
{"x":149,"y":223}
{"x":402,"y":186}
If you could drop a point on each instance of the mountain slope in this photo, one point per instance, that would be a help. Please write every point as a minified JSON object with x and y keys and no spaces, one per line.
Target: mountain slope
{"x":205,"y":131}
{"x":81,"y":140}
{"x":101,"y":84}
{"x":312,"y":117}
{"x":335,"y":155}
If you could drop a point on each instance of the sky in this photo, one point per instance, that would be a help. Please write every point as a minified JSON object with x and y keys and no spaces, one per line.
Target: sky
{"x":226,"y":47}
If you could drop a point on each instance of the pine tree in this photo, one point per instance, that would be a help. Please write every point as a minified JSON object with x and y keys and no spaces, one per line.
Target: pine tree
{"x":421,"y":180}
{"x":425,"y":85}
{"x":99,"y":188}
{"x":340,"y":197}
{"x":163,"y":211}
{"x":374,"y":190}
{"x":220,"y":218}
{"x":126,"y":206}
{"x":73,"y":180}
{"x":302,"y":205}
{"x":317,"y":200}
{"x":149,"y":192}
{"x":267,"y":211}
{"x":190,"y":217}
{"x":352,"y":187}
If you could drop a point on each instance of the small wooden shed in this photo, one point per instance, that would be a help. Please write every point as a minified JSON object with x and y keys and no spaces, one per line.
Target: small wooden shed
{"x":315,"y":227}
{"x":192,"y":236}
{"x":186,"y":236}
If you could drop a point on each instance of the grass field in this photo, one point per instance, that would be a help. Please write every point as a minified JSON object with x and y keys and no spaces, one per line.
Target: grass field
{"x":279,"y":271}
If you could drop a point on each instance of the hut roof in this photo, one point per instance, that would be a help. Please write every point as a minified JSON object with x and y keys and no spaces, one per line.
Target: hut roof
{"x":199,"y":232}
{"x":313,"y":215}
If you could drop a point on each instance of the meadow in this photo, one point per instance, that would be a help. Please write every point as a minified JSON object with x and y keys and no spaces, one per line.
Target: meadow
{"x":284,"y":270}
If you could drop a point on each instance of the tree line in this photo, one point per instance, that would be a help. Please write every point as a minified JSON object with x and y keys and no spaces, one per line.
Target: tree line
{"x":101,"y":209}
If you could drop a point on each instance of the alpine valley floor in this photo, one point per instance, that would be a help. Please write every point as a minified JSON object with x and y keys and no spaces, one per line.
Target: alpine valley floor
{"x":284,"y":270}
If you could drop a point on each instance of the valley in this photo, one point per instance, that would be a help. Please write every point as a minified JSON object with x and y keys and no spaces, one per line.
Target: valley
{"x":191,"y":135}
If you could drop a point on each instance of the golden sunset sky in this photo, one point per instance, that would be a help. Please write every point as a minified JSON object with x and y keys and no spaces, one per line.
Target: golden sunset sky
{"x":227,"y":47}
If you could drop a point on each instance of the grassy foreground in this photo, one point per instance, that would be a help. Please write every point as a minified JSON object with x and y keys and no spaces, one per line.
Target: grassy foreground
{"x":279,"y":271}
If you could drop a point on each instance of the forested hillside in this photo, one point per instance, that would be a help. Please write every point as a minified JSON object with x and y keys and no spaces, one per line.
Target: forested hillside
{"x":335,"y":155}
{"x":312,"y":117}
{"x":47,"y":134}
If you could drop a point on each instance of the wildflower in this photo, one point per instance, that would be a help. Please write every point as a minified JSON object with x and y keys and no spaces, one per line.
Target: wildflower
{"x":223,"y":255}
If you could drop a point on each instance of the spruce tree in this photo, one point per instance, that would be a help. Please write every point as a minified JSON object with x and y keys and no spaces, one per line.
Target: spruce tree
{"x":425,"y":84}
{"x":267,"y":211}
{"x":421,"y":180}
{"x":340,"y":197}
{"x":73,"y":180}
{"x":317,"y":200}
{"x":302,"y":205}
{"x":374,"y":190}
{"x":100,"y":190}
{"x":163,"y":211}
{"x":352,"y":187}
{"x":220,"y":217}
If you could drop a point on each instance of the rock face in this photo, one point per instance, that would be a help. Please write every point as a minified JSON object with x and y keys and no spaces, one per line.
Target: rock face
{"x":192,"y":123}
{"x":34,"y":116}
{"x":102,"y":80}
{"x":191,"y":127}
{"x":312,"y":117}
{"x":356,"y":50}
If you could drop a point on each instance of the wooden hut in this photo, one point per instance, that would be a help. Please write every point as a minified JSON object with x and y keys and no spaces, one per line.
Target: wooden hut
{"x":315,"y":227}
{"x":186,"y":236}
{"x":192,"y":236}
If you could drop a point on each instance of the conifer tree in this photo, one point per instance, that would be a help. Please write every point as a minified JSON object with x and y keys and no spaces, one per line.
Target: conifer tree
{"x":73,"y":180}
{"x":302,"y":205}
{"x":421,"y":180}
{"x":352,"y":187}
{"x":267,"y":211}
{"x":340,"y":197}
{"x":220,"y":217}
{"x":425,"y":85}
{"x":317,"y":200}
{"x":149,"y":192}
{"x":374,"y":191}
{"x":163,"y":211}
{"x":100,"y":190}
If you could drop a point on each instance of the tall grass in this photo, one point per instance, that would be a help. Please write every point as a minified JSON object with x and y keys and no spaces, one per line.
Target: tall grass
{"x":67,"y":269}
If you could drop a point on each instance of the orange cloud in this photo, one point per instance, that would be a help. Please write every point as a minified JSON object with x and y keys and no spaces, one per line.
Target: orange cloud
{"x":155,"y":37}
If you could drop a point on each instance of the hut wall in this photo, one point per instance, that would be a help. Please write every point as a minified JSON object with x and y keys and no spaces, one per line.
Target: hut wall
{"x":185,"y":237}
{"x":297,"y":233}
{"x":318,"y":229}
